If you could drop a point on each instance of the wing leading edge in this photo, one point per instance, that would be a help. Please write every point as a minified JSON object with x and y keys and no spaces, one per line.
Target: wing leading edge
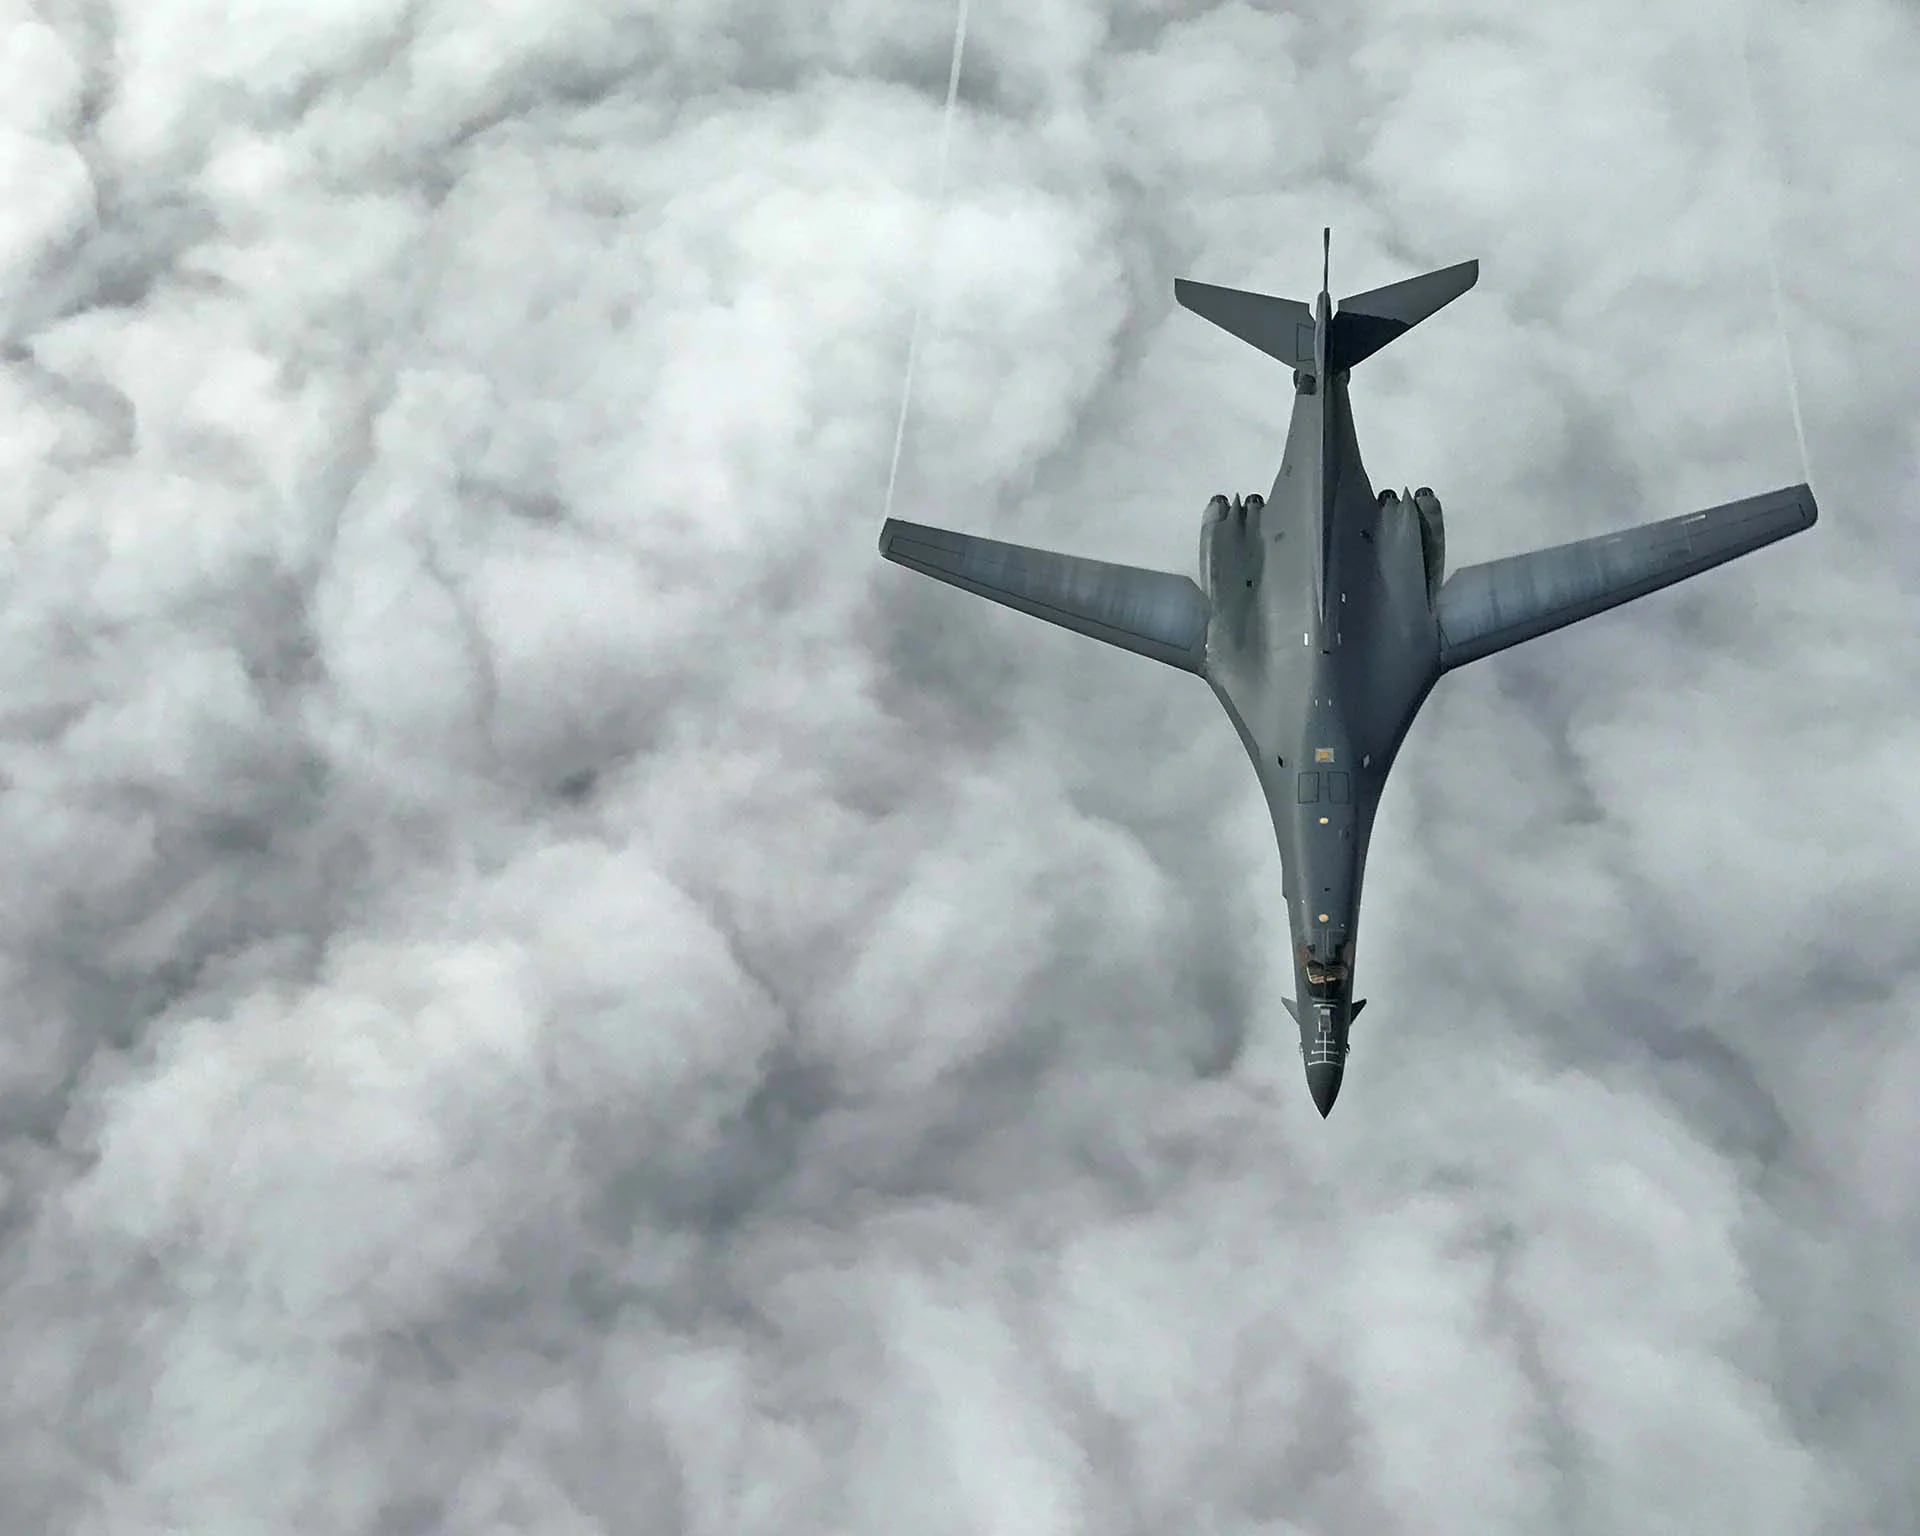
{"x":1151,"y":613}
{"x":1486,"y":608}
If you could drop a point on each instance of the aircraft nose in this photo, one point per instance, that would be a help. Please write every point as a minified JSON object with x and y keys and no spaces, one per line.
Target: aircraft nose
{"x":1323,"y":1082}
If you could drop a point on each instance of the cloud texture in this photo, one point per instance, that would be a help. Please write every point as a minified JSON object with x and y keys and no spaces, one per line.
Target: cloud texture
{"x":547,"y":989}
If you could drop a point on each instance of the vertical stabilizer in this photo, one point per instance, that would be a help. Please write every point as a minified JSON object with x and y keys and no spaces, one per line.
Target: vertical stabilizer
{"x":1323,"y":307}
{"x":1323,"y":364}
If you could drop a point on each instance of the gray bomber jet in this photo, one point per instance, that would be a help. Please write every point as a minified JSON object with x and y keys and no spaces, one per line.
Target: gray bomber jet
{"x":1358,"y":578}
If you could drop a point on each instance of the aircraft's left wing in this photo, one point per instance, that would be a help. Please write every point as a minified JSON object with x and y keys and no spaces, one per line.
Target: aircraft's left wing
{"x":1151,"y":613}
{"x":1486,"y":608}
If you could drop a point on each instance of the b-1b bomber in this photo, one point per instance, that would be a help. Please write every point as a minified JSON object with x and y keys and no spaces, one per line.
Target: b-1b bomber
{"x":1324,"y":613}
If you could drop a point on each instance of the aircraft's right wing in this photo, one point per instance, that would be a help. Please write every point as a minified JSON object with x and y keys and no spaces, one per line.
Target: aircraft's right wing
{"x":1152,"y":613}
{"x":1486,"y":608}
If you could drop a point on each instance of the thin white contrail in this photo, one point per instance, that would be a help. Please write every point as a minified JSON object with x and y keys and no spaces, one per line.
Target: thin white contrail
{"x":940,"y":200}
{"x":1768,"y":177}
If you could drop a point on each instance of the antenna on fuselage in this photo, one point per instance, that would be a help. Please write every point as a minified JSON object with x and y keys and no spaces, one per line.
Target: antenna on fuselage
{"x":1326,"y":255}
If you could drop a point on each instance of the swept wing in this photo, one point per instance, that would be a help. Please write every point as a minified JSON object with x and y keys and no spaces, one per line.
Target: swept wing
{"x":1486,"y":608}
{"x":1151,"y":613}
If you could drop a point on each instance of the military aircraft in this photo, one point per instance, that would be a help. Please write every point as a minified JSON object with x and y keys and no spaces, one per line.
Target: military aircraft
{"x":1360,"y":578}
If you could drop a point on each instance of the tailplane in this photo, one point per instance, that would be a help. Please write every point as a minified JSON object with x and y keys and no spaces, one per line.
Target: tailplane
{"x":1288,"y":329}
{"x":1366,"y":322}
{"x":1281,"y":328}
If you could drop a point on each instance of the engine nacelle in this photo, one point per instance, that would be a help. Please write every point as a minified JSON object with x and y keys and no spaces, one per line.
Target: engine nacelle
{"x":1219,"y":509}
{"x":1433,"y":539}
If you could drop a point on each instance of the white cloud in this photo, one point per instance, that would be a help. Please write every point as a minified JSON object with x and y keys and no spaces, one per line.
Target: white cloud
{"x":546,"y":986}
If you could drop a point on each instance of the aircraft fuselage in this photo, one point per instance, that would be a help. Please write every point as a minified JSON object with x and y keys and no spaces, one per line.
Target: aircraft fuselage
{"x":1323,"y":646}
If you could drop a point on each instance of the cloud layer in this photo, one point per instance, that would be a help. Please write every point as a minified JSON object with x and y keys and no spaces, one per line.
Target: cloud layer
{"x":548,"y":989}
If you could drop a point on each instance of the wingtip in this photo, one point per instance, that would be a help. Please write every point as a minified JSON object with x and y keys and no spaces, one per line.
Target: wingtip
{"x":886,"y":534}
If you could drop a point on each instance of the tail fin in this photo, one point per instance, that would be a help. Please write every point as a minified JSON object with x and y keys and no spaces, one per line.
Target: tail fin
{"x":1284,"y":328}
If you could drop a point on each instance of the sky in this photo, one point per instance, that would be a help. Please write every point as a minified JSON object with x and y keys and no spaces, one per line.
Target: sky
{"x":548,"y":989}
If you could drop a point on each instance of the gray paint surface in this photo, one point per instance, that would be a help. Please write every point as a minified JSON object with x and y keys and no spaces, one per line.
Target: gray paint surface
{"x":1323,"y":616}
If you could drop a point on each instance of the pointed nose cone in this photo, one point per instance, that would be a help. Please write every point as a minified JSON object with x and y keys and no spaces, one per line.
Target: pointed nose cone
{"x":1323,"y":1082}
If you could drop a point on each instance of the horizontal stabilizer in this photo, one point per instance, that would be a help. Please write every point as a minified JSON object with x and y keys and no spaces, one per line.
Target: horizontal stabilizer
{"x":1281,"y":328}
{"x":1486,"y":608}
{"x":1151,"y":613}
{"x":1367,"y":321}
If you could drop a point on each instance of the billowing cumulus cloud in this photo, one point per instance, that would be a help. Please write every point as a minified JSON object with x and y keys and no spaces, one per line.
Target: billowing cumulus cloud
{"x":546,"y":988}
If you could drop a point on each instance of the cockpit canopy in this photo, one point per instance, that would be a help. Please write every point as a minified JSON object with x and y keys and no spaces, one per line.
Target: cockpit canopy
{"x":1326,"y":973}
